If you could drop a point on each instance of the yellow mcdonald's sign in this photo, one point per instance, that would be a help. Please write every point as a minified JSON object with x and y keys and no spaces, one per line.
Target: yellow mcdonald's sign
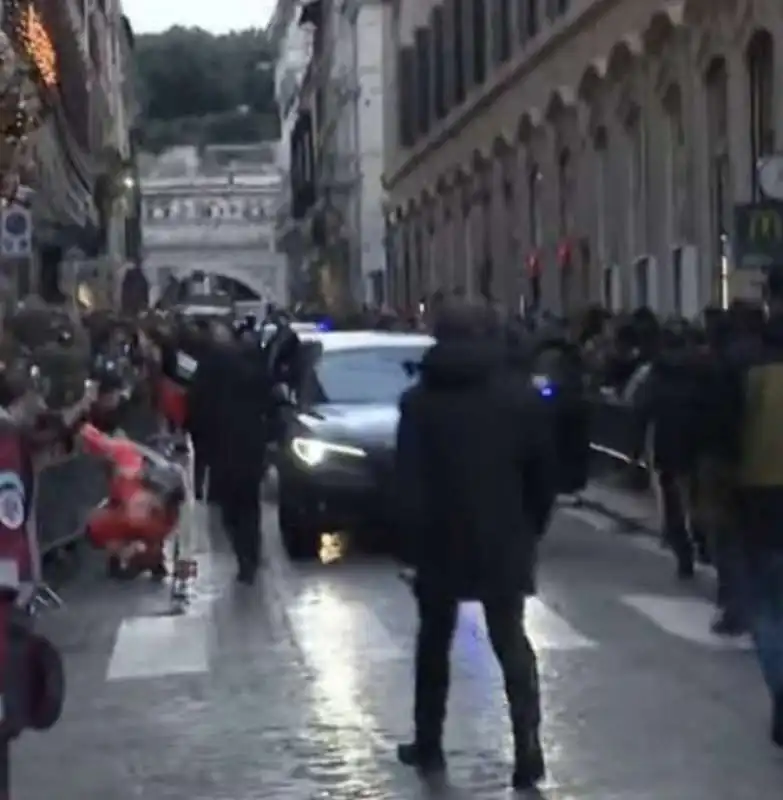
{"x":766,"y":225}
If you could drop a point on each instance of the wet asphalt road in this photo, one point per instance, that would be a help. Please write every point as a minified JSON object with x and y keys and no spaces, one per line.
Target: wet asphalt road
{"x":299,"y":688}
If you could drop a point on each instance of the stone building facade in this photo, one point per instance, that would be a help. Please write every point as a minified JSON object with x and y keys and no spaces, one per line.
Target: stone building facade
{"x":213,"y":212}
{"x":575,"y":151}
{"x":333,"y":224}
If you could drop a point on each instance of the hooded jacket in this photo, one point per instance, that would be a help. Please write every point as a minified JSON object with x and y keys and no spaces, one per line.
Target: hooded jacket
{"x":476,"y":473}
{"x":671,"y":399}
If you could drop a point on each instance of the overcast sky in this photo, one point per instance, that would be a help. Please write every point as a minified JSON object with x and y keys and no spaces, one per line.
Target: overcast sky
{"x":217,"y":16}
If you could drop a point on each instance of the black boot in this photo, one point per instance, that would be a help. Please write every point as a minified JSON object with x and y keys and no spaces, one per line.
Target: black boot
{"x":529,"y":768}
{"x":703,"y":554}
{"x":686,"y":568}
{"x":428,"y":760}
{"x":246,"y":574}
{"x":727,"y":623}
{"x":777,"y":720}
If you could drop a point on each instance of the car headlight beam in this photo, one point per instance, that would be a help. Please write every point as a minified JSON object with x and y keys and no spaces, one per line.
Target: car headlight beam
{"x":315,"y":451}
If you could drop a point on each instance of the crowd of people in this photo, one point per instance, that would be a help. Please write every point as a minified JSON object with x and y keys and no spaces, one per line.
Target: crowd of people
{"x":712,"y":400}
{"x":481,"y":456}
{"x":475,"y":449}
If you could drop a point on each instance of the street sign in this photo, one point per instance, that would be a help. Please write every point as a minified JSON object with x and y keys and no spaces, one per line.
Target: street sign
{"x":16,"y":238}
{"x":758,"y":235}
{"x":770,"y":176}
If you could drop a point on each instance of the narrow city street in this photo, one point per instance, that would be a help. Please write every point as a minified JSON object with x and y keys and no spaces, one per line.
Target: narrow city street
{"x":300,"y":687}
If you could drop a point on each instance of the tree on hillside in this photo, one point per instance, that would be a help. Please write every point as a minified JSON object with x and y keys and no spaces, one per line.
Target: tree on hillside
{"x":198,"y":88}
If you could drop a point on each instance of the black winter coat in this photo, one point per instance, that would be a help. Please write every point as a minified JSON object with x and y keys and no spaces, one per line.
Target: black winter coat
{"x":205,"y":395}
{"x":673,"y":400}
{"x":475,"y":474}
{"x":229,"y":405}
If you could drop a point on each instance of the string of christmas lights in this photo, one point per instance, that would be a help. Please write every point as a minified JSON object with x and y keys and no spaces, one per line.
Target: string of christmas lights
{"x":28,"y":68}
{"x":30,"y":33}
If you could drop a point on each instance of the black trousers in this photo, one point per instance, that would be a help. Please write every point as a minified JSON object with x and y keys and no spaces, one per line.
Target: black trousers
{"x":682,"y":539}
{"x":728,"y":557}
{"x":241,"y":512}
{"x":505,"y":623}
{"x":200,"y":466}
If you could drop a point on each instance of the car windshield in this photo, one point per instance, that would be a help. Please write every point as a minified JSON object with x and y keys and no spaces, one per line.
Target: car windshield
{"x":367,"y":374}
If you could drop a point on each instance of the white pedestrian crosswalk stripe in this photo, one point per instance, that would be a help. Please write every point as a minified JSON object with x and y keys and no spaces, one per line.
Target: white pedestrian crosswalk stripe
{"x":594,"y":519}
{"x":686,"y":618}
{"x":547,"y":629}
{"x":157,"y":647}
{"x":328,"y":626}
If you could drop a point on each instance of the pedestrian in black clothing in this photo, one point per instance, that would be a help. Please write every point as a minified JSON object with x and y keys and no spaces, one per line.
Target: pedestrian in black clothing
{"x":237,"y":448}
{"x":475,"y":494}
{"x":717,"y":414}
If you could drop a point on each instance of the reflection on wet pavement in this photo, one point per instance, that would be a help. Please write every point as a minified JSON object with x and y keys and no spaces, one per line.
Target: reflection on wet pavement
{"x":307,"y":689}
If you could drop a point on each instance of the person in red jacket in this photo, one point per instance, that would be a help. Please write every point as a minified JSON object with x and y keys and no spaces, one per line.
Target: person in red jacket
{"x":141,"y":511}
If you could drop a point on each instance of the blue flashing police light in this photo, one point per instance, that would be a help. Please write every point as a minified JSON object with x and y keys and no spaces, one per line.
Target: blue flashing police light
{"x":543,"y":385}
{"x":324,"y":326}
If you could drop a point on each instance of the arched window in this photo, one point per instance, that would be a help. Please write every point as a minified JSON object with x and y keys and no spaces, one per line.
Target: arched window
{"x":535,"y":227}
{"x":602,"y":178}
{"x":760,"y":57}
{"x":564,"y":191}
{"x":535,"y":220}
{"x":675,"y":162}
{"x":565,"y":223}
{"x":716,"y":85}
{"x":637,"y":173}
{"x":637,"y":154}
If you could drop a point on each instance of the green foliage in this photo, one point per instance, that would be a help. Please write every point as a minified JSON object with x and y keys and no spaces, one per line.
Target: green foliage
{"x":197,"y":88}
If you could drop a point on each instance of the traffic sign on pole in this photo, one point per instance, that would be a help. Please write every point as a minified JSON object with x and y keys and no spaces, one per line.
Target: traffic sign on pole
{"x":16,"y":240}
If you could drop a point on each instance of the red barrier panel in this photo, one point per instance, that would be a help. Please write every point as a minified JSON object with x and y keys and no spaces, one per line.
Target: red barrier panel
{"x":31,"y":671}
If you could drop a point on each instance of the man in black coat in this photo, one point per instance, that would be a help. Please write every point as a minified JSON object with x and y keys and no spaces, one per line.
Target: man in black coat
{"x":669,"y":400}
{"x":204,"y":397}
{"x":232,"y":408}
{"x":476,"y":489}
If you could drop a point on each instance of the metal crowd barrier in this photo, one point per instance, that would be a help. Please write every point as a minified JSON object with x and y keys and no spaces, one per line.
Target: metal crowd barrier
{"x":67,"y":489}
